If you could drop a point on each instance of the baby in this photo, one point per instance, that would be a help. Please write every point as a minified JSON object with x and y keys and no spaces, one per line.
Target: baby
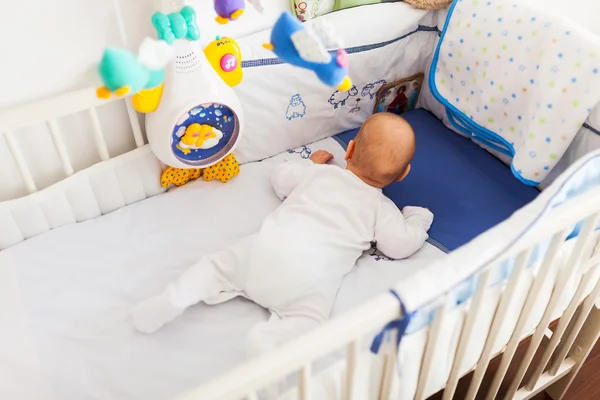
{"x":295,"y":264}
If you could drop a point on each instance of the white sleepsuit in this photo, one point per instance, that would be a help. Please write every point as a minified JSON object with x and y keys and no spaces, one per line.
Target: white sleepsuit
{"x":295,"y":264}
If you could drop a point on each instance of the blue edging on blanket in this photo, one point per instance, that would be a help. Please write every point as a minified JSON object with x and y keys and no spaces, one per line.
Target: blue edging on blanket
{"x":489,"y":138}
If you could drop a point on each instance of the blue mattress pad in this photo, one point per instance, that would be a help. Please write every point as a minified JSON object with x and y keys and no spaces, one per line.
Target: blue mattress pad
{"x":467,"y":189}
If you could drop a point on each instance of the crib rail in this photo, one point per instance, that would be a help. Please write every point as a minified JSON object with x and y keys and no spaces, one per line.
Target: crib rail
{"x":49,"y":112}
{"x":563,"y":350}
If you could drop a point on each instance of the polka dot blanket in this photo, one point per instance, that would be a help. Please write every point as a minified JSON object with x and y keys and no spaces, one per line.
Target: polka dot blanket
{"x":516,"y":78}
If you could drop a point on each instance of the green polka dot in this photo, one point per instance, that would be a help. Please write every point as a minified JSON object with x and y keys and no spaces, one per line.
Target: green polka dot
{"x":484,"y":74}
{"x":552,"y":84}
{"x":531,"y":136}
{"x":443,"y":81}
{"x":484,"y":50}
{"x":575,"y":103}
{"x":491,"y":120}
{"x":542,"y":121}
{"x":578,"y":64}
{"x":553,"y":156}
{"x":457,"y":69}
{"x":474,"y":80}
{"x":460,"y":54}
{"x":492,"y":99}
{"x":504,"y":47}
{"x":475,"y":2}
{"x":501,"y":88}
{"x":534,"y":33}
{"x":478,"y":32}
{"x":500,"y":7}
{"x":593,"y":55}
{"x":512,"y":128}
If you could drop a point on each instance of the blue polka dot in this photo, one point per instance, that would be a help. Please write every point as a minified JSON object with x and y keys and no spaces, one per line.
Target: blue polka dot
{"x":560,"y":55}
{"x":533,"y":19}
{"x":546,"y":168}
{"x":549,"y":105}
{"x":589,"y":110}
{"x":514,"y":95}
{"x":489,"y":34}
{"x":474,"y":15}
{"x":568,"y":33}
{"x":462,"y":41}
{"x":499,"y":19}
{"x":573,"y":80}
{"x":511,"y":59}
{"x":519,"y":117}
{"x":595,"y":70}
{"x":537,"y":67}
{"x":472,"y":92}
{"x":457,"y":100}
{"x":548,"y":140}
{"x":554,"y":69}
{"x":505,"y":101}
{"x":532,"y":154}
{"x":451,"y":76}
{"x":449,"y":54}
{"x":522,"y":68}
{"x":492,"y":83}
{"x":532,"y":81}
{"x":489,"y":3}
{"x":520,"y":37}
{"x":485,"y":107}
{"x":468,"y":68}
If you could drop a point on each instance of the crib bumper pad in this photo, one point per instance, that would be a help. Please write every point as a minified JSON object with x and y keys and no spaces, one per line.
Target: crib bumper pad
{"x":467,"y":189}
{"x":517,"y":80}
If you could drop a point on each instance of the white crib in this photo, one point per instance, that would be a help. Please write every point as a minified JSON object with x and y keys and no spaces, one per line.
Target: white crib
{"x":564,"y":272}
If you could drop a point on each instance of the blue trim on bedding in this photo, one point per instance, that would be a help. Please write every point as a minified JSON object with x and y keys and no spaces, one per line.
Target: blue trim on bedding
{"x":490,"y":138}
{"x":351,"y":50}
{"x":399,"y":325}
{"x":591,"y":128}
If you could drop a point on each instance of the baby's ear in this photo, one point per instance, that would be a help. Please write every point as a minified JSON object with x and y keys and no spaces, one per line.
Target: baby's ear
{"x":350,"y":150}
{"x":404,"y":174}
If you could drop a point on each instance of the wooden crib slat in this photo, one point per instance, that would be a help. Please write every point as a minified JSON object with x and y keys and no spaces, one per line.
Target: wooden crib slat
{"x":390,"y":367}
{"x":563,"y":278}
{"x":431,"y":347}
{"x":352,"y":353}
{"x":498,"y":320}
{"x":135,"y":123}
{"x":564,"y":321}
{"x":538,"y":284}
{"x":304,"y":387}
{"x":14,"y":149}
{"x":467,"y":332}
{"x":98,"y":135}
{"x":61,"y":149}
{"x":567,"y":343}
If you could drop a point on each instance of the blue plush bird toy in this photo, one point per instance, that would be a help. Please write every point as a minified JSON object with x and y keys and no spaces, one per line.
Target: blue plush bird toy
{"x":305,"y":46}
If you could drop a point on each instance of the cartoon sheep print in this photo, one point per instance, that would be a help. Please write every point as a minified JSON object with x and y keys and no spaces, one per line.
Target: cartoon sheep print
{"x":371,"y":89}
{"x":296,"y":108}
{"x":340,"y":97}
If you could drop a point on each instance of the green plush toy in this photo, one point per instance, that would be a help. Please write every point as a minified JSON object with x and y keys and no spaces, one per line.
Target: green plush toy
{"x":309,"y":9}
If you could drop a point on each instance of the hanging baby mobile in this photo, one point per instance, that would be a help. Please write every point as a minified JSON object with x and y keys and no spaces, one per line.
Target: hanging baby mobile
{"x":194,"y":119}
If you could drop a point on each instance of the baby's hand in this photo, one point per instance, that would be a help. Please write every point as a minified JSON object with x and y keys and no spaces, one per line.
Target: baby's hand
{"x":321,"y":157}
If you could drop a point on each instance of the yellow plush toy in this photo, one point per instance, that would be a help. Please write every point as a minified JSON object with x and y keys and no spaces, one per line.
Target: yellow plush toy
{"x":222,"y":171}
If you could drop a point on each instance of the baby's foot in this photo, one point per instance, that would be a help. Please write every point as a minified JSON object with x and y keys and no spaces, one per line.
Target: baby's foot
{"x":152,"y":314}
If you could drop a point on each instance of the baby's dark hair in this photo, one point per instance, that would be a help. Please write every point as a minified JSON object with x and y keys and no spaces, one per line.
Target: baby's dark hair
{"x":385,"y":146}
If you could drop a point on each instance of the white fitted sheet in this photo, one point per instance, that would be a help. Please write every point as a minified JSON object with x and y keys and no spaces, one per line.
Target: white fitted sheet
{"x":67,"y":333}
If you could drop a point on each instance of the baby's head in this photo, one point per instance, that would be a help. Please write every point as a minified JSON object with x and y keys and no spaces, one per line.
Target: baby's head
{"x":382,"y":150}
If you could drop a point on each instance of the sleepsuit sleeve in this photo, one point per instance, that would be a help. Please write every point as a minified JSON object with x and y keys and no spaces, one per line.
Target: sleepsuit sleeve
{"x":288,"y":175}
{"x":401,"y":234}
